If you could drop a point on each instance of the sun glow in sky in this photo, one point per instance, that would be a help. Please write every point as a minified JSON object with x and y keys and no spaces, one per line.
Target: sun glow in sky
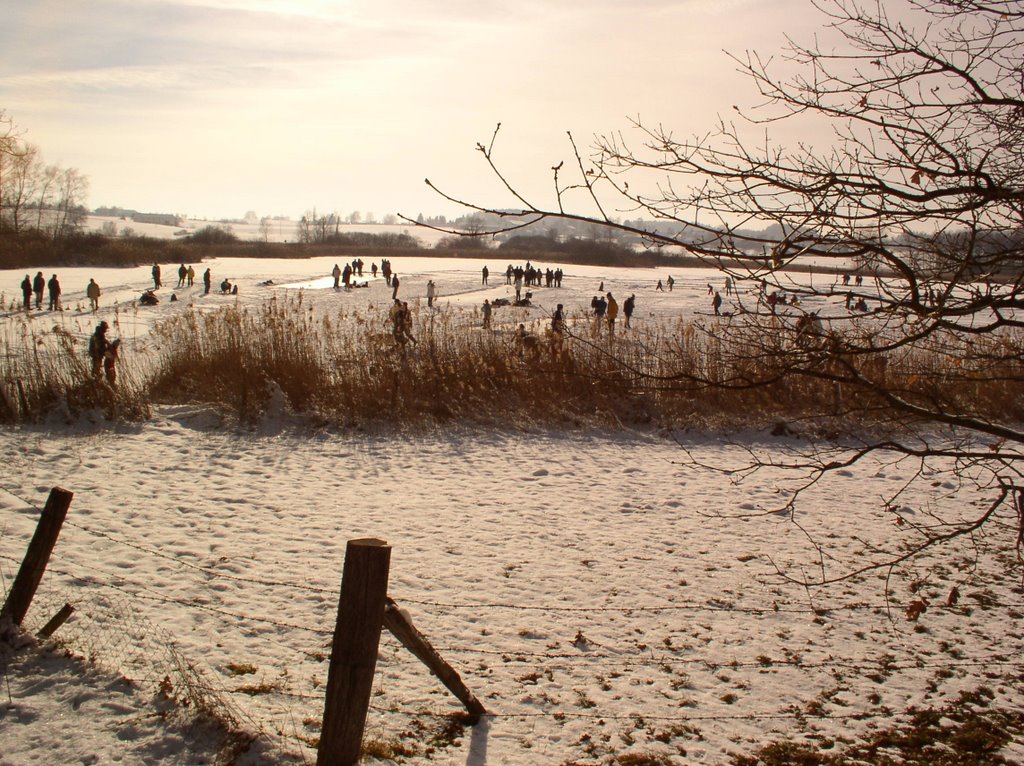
{"x":214,"y":108}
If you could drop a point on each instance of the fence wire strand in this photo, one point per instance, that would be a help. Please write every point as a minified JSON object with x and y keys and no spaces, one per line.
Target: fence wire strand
{"x":107,"y":629}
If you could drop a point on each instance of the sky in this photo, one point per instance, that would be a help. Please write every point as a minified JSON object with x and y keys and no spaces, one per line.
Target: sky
{"x":219,"y":107}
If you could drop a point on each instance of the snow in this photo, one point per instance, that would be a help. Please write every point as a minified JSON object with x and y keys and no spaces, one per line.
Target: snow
{"x":276,"y":230}
{"x":599,"y":592}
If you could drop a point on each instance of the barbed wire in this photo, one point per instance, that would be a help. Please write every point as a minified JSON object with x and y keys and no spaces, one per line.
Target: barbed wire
{"x":559,"y":714}
{"x":569,"y":609}
{"x":568,"y":662}
{"x":518,"y":656}
{"x":169,"y":600}
{"x":205,"y":570}
{"x":110,"y":632}
{"x":867,"y":663}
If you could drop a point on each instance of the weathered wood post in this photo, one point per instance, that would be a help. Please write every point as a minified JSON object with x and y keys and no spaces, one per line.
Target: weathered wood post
{"x":410,"y":637}
{"x":37,"y":556}
{"x":364,"y":589}
{"x":56,"y":621}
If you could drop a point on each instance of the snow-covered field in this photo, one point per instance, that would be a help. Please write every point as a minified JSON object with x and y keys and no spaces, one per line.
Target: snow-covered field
{"x":274,"y":231}
{"x":599,"y":592}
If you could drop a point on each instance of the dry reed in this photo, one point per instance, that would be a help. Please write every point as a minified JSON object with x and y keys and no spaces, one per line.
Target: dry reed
{"x":347,"y":368}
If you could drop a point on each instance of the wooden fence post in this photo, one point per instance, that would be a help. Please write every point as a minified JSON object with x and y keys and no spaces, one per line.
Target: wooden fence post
{"x":56,"y":621}
{"x":37,"y":556}
{"x":364,"y":586}
{"x":407,"y":633}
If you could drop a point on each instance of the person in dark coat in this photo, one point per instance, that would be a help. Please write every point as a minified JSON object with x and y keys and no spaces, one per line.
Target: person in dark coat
{"x":207,"y":281}
{"x":627,"y":307}
{"x":98,"y":345}
{"x":54,"y":287}
{"x":26,"y":291}
{"x":156,"y":276}
{"x":38,"y":285}
{"x":716,"y":303}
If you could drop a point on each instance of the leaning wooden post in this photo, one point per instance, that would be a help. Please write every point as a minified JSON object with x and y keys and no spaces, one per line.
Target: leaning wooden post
{"x":403,"y":629}
{"x":364,"y":588}
{"x":37,"y":556}
{"x":56,"y":621}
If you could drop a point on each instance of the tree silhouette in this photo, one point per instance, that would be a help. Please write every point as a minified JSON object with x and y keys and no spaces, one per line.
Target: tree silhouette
{"x":915,"y":196}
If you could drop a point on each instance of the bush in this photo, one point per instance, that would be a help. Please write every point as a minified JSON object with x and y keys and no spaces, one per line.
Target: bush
{"x":213,"y":235}
{"x":462,"y":244}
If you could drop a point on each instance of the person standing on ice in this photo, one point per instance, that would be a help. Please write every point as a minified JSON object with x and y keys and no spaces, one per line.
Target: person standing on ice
{"x":660,"y":287}
{"x":156,"y":276}
{"x":26,"y":291}
{"x":207,"y":281}
{"x":613,"y":312}
{"x":190,"y":275}
{"x":182,"y":275}
{"x":628,"y":306}
{"x":336,"y":273}
{"x":483,"y":275}
{"x":54,"y":287}
{"x":394,"y":286}
{"x":431,"y":292}
{"x":486,"y":311}
{"x":716,"y":303}
{"x":670,"y":282}
{"x":38,"y":285}
{"x":92,"y":292}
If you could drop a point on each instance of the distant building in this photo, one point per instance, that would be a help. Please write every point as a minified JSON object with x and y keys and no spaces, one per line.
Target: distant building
{"x":165,"y":219}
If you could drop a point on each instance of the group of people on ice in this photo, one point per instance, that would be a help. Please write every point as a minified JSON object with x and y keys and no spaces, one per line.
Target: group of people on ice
{"x":530,"y":276}
{"x":606,"y":310}
{"x":186,"y":278}
{"x":344,"y":276}
{"x":36,"y":287}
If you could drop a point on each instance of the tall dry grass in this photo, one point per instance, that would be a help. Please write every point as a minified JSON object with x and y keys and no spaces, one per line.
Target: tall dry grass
{"x":347,"y":368}
{"x":46,"y":372}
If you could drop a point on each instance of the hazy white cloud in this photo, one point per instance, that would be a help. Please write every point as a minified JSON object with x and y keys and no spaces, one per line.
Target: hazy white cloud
{"x":221,"y":106}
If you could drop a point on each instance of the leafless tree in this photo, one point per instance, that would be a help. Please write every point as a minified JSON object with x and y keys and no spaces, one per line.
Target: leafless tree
{"x":45,"y":198}
{"x":20,"y":182}
{"x":912,"y":179}
{"x":73,"y":188}
{"x":317,"y":229}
